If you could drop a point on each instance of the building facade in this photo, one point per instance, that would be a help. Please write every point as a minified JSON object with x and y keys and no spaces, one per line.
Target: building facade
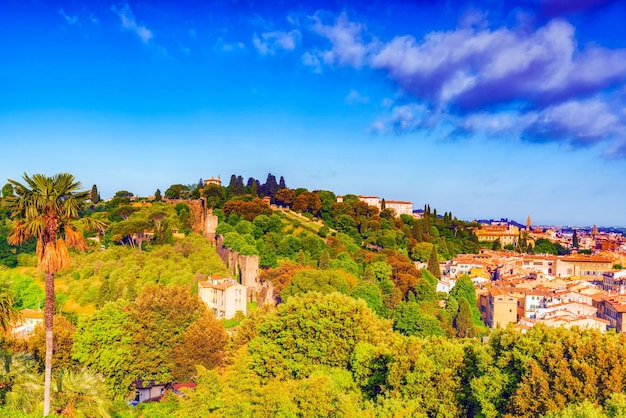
{"x":223,"y":296}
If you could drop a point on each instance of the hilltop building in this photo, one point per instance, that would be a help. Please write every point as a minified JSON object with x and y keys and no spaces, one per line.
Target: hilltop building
{"x":507,"y":234}
{"x":213,"y":180}
{"x":399,"y":206}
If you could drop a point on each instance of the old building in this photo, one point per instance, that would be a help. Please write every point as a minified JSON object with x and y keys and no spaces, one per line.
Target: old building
{"x":223,"y":296}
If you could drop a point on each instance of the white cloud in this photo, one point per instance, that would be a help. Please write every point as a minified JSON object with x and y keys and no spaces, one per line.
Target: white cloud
{"x":70,"y":20}
{"x":354,"y":97}
{"x":222,"y":45}
{"x":523,"y":82}
{"x":387,"y":103}
{"x":311,"y":59}
{"x":348,"y":47}
{"x":271,"y":42}
{"x":127,"y":19}
{"x":378,"y":127}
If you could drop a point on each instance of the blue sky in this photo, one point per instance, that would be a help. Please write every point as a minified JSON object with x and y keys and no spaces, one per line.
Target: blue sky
{"x":484,"y":108}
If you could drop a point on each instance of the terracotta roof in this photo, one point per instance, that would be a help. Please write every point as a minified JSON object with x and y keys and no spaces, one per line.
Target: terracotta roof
{"x":217,"y":283}
{"x":179,"y":386}
{"x":31,"y":313}
{"x":618,"y":306}
{"x":586,"y":259}
{"x":398,"y":202}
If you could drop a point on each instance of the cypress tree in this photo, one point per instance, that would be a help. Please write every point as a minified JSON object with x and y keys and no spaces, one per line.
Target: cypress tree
{"x":324,"y":260}
{"x":463,"y":322}
{"x":254,"y":189}
{"x":416,"y":231}
{"x":433,"y":264}
{"x":575,"y":240}
{"x":95,"y":196}
{"x":157,"y":195}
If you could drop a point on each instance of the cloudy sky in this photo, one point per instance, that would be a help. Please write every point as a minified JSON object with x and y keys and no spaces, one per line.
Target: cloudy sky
{"x":485,"y":108}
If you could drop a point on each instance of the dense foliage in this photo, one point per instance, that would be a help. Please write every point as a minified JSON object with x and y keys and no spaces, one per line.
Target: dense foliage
{"x":358,"y":328}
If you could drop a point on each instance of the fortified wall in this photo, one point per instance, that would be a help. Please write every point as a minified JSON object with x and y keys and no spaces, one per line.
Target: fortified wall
{"x":243,"y":268}
{"x":198,"y":212}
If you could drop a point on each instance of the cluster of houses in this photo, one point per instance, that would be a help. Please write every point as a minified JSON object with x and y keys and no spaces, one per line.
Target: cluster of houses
{"x":571,"y":290}
{"x":510,"y":233}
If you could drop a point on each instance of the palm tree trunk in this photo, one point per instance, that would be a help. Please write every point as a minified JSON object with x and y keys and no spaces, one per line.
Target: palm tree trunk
{"x":48,"y":318}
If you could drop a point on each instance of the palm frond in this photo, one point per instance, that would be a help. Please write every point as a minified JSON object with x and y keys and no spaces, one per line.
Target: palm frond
{"x":74,"y":238}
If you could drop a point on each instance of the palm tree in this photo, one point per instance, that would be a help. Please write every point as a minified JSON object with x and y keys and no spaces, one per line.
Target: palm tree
{"x":9,"y":316}
{"x":81,"y":393}
{"x":43,"y":208}
{"x":21,"y":385}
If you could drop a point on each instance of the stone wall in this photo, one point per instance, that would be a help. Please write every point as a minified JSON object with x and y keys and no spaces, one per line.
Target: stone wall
{"x":210,"y":226}
{"x":198,"y":212}
{"x":243,"y":268}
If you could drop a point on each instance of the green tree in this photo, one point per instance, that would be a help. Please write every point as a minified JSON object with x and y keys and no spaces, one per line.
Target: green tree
{"x":94,"y":195}
{"x":157,"y":195}
{"x":159,"y":318}
{"x":124,"y":211}
{"x":63,"y":339}
{"x":177,"y":191}
{"x":44,"y":209}
{"x":463,"y":322}
{"x":433,"y":263}
{"x":370,"y":293}
{"x":7,"y":190}
{"x":324,"y":260}
{"x":323,"y":281}
{"x":464,"y":288}
{"x":313,"y":330}
{"x":203,"y":343}
{"x":543,"y":246}
{"x":575,"y":240}
{"x":103,"y":344}
{"x":215,"y":196}
{"x":585,"y":409}
{"x":410,"y":320}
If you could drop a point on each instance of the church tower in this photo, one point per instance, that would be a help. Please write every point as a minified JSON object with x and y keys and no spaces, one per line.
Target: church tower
{"x":528,"y":223}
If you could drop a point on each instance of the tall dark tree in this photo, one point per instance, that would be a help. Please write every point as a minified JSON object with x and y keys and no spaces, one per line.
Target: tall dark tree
{"x":416,"y":231}
{"x":433,"y":264}
{"x":236,"y":187}
{"x":271,"y":186}
{"x":463,"y":322}
{"x":157,"y":195}
{"x":324,"y":260}
{"x":281,"y":183}
{"x":575,"y":240}
{"x":95,"y":195}
{"x":254,"y":190}
{"x":44,"y":208}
